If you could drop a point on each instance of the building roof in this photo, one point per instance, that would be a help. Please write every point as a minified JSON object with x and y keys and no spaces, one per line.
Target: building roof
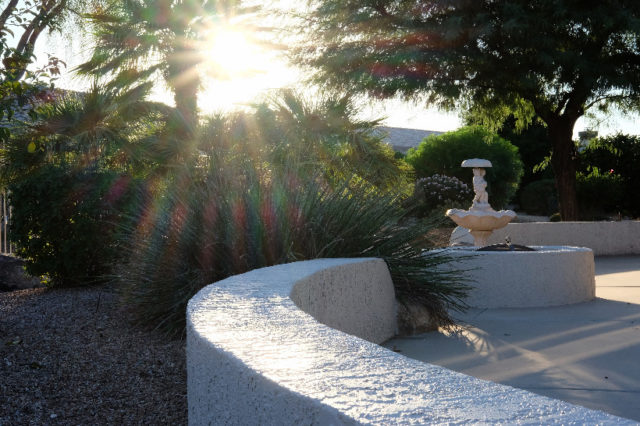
{"x":401,"y":139}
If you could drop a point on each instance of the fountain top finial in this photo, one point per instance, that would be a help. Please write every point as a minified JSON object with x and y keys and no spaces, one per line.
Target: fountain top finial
{"x":476,"y":163}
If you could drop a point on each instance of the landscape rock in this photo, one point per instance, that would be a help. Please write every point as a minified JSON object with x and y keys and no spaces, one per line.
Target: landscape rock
{"x":13,"y":277}
{"x":414,"y":318}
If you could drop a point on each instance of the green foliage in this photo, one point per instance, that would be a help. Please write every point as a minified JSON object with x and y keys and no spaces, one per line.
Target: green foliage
{"x":539,"y":197}
{"x":68,"y":173}
{"x":534,"y":146}
{"x":482,"y":50}
{"x":316,"y":136}
{"x":22,"y":83}
{"x":620,"y":153}
{"x":288,"y":181}
{"x":600,"y":194}
{"x":549,"y":59}
{"x":435,"y":194}
{"x":201,"y":231}
{"x":103,"y":128}
{"x":443,"y":154}
{"x":65,"y":222}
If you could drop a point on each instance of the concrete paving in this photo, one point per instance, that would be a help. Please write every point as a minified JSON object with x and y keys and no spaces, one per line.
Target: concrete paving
{"x":586,"y":354}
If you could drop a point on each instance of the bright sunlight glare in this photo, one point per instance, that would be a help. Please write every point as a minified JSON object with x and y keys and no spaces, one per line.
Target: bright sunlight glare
{"x":230,"y":55}
{"x":237,"y":70}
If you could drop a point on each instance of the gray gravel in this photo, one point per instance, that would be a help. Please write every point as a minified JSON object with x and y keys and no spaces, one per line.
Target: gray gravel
{"x":70,"y":357}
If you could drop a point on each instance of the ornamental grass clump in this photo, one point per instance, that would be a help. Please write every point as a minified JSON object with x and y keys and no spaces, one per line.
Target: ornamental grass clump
{"x":200,"y":231}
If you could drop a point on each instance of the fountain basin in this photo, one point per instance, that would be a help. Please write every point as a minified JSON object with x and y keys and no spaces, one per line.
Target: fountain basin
{"x":549,"y":276}
{"x":481,"y":223}
{"x":481,"y":220}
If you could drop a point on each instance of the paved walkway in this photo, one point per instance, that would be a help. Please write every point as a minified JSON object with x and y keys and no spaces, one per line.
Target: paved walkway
{"x":587,"y":354}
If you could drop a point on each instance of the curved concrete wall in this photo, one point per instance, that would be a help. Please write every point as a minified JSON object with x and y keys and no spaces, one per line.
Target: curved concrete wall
{"x":604,"y":238}
{"x":549,"y":276}
{"x":255,"y":358}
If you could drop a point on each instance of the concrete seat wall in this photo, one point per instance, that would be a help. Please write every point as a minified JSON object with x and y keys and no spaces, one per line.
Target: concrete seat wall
{"x":260,"y":352}
{"x":604,"y":238}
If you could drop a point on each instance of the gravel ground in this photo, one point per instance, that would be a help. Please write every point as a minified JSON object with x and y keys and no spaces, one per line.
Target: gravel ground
{"x":70,"y":357}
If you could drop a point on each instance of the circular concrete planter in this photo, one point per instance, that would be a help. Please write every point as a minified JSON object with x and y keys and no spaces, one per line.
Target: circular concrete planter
{"x":552,"y":275}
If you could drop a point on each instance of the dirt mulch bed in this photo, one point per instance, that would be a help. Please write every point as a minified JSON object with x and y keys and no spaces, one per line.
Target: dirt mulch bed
{"x":70,"y":357}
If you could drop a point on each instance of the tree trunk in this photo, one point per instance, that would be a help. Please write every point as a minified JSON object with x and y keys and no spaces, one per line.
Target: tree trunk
{"x":185,"y":82}
{"x":7,"y":12}
{"x":186,"y":99}
{"x":563,"y":161}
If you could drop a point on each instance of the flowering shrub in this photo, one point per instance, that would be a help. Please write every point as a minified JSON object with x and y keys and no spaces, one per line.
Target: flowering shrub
{"x":440,"y":192}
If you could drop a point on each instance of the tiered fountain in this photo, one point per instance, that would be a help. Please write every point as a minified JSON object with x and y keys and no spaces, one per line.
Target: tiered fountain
{"x":481,"y":220}
{"x":506,"y":275}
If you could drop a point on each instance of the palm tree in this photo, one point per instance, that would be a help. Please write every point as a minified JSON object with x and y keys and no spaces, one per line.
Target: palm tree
{"x":137,"y":39}
{"x":100,"y":128}
{"x":316,"y":136}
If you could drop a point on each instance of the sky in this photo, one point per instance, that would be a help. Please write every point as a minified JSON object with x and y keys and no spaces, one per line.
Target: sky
{"x":273,"y":73}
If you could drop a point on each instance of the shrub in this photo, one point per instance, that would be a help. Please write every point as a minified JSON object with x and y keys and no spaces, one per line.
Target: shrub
{"x":599,"y":193}
{"x":620,"y":153}
{"x":539,"y":197}
{"x":443,"y":154}
{"x":201,"y":232}
{"x":64,"y":222}
{"x":437,"y":193}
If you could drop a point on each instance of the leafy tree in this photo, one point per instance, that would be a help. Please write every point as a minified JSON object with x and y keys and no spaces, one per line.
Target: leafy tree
{"x":137,"y":39}
{"x":31,"y":17}
{"x":21,"y":24}
{"x":552,"y":59}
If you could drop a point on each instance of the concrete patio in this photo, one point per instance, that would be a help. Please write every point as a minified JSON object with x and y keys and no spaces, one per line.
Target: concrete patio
{"x":586,"y":354}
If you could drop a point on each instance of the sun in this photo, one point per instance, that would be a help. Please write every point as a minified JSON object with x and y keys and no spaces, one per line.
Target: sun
{"x":229,"y":54}
{"x":237,"y":69}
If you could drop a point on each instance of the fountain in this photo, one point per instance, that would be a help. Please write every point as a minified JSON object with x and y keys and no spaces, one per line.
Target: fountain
{"x":511,"y":275}
{"x":481,"y":220}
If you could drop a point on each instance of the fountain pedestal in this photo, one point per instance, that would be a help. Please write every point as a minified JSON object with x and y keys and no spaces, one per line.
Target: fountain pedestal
{"x":480,"y":237}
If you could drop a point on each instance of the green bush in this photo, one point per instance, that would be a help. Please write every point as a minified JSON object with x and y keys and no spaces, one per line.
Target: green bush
{"x":443,"y":154}
{"x":600,"y":194}
{"x":539,"y":197}
{"x":64,"y":222}
{"x":199,"y":232}
{"x":435,"y":194}
{"x":620,"y":153}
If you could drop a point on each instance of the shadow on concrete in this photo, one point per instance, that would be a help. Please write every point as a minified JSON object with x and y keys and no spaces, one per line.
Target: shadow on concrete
{"x":587,"y":354}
